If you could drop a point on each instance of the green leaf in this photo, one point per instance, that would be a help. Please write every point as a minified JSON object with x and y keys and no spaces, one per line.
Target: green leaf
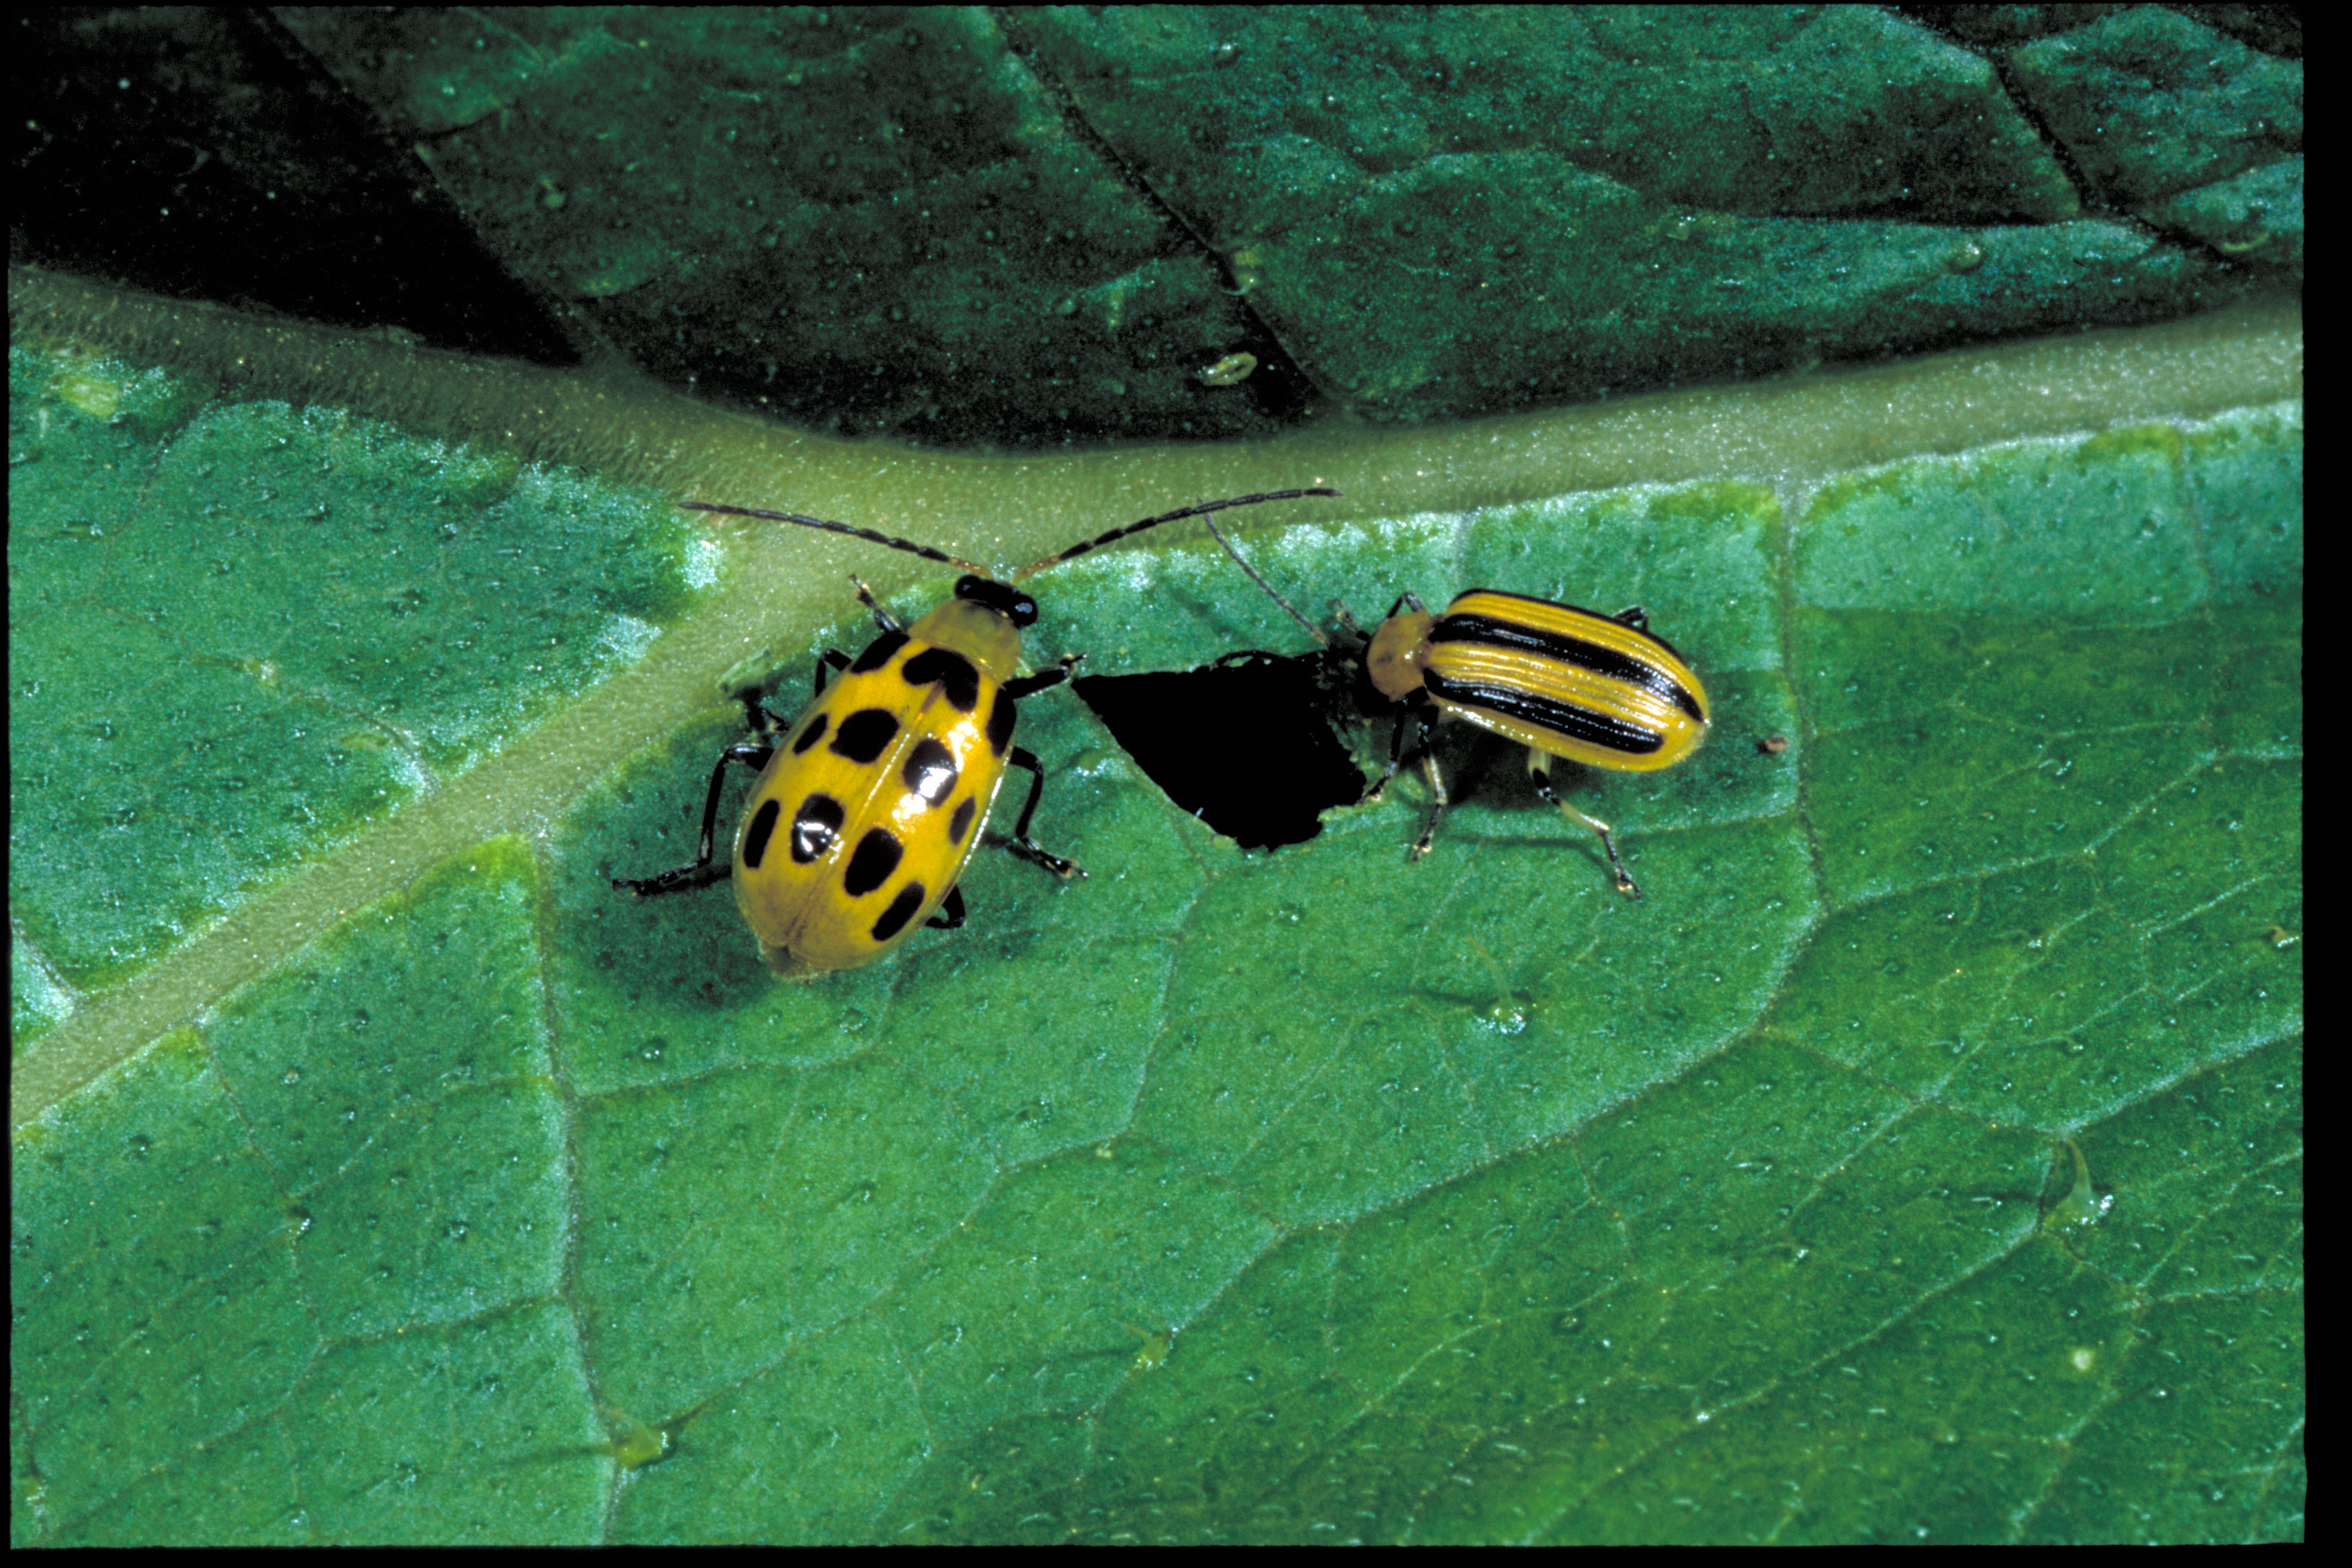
{"x":1307,"y":1196}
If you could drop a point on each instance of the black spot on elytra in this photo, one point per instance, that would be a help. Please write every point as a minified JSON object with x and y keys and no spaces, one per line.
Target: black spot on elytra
{"x":931,"y":772}
{"x":1002,"y":715}
{"x":877,"y":653}
{"x":756,"y":836}
{"x":816,"y":828}
{"x":956,"y":677}
{"x":902,"y":908}
{"x":865,"y":733}
{"x":870,"y":864}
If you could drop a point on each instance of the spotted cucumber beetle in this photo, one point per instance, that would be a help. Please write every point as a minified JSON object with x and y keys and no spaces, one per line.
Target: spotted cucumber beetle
{"x":1603,"y":691}
{"x":868,"y":806}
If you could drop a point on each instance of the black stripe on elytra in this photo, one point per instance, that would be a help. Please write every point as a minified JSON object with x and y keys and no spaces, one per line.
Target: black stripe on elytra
{"x":1606,"y":662}
{"x":1561,"y":718}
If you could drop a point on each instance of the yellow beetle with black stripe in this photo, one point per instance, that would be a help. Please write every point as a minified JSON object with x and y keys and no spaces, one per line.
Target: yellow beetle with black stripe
{"x":868,"y":804}
{"x":1603,"y":691}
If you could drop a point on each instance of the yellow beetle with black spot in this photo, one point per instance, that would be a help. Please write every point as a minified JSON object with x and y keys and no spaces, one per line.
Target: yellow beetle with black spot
{"x":868,"y":804}
{"x":1603,"y":691}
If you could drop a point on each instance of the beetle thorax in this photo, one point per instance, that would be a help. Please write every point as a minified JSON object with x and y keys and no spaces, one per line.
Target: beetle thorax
{"x":1393,"y":661}
{"x":991,"y":642}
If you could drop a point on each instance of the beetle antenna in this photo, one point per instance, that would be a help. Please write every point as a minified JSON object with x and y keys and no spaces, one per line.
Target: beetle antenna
{"x":871,"y":535}
{"x":1203,"y":510}
{"x":1218,"y":534}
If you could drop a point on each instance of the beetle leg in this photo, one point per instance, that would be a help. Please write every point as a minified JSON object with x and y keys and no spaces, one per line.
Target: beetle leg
{"x":831,"y":659}
{"x":1029,"y":685}
{"x":950,"y":915}
{"x":1424,"y":719}
{"x":1539,"y":775}
{"x":753,"y":755}
{"x":1026,"y":848}
{"x":1401,"y":600}
{"x":1437,"y":803}
{"x":882,"y":617}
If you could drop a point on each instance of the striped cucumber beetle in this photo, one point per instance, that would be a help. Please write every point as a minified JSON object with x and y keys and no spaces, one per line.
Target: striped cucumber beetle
{"x":1565,"y":683}
{"x":868,"y":804}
